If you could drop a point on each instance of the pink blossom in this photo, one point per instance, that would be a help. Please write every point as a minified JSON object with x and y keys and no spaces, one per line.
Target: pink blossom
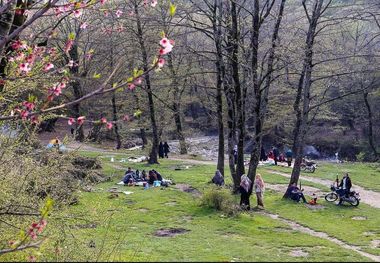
{"x":71,"y":121}
{"x":109,"y":125}
{"x":30,"y":58}
{"x":69,"y":45}
{"x":61,"y":85}
{"x":161,"y":62}
{"x":20,"y":56}
{"x":103,"y":120}
{"x":88,"y":55}
{"x":138,"y":81}
{"x":118,"y":13}
{"x":19,"y":11}
{"x":41,"y":225}
{"x":28,"y":105}
{"x":80,"y":120}
{"x":103,"y":2}
{"x":131,"y":86}
{"x":24,"y":67}
{"x":34,"y":119}
{"x":68,"y":7}
{"x":78,"y":13}
{"x":24,"y":114}
{"x":153,"y":3}
{"x":56,"y":91}
{"x":167,"y":46}
{"x":164,"y":41}
{"x":16,"y":45}
{"x":83,"y":26}
{"x":48,"y":67}
{"x":59,"y":10}
{"x":71,"y":64}
{"x":52,"y":51}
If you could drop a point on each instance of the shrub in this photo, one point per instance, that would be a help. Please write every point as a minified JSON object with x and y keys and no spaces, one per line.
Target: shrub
{"x":221,"y":200}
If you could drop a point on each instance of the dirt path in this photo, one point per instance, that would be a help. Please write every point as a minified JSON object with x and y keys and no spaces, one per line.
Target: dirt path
{"x":309,"y":231}
{"x":192,"y":161}
{"x":368,"y":197}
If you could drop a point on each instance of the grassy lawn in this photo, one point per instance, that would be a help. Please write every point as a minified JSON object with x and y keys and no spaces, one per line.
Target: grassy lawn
{"x":362,"y":174}
{"x":122,"y":229}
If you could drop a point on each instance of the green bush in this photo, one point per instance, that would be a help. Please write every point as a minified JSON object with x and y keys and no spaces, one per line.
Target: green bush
{"x":221,"y":200}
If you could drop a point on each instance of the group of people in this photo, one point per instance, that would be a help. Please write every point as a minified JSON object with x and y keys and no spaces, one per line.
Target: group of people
{"x":276,"y":156}
{"x":163,"y":150}
{"x":131,"y":177}
{"x":246,"y":188}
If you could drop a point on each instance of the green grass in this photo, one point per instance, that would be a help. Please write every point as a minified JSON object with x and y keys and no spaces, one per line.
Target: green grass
{"x":125,"y":225}
{"x":366,"y":175}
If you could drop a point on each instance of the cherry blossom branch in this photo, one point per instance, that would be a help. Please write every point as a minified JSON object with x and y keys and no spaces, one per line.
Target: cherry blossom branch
{"x":101,"y":90}
{"x":32,"y":245}
{"x":37,"y":15}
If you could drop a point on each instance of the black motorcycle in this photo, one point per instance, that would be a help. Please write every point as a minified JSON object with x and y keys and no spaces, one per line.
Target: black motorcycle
{"x":353,"y":198}
{"x":307,"y":166}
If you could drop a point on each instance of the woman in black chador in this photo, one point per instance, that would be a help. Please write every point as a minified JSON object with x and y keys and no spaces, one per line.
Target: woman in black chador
{"x":161,"y":150}
{"x":166,"y":149}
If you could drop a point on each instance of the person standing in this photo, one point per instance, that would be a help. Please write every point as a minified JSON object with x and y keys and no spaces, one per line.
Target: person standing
{"x":259,"y":189}
{"x":161,"y":150}
{"x":166,"y":149}
{"x":289,"y":157}
{"x":235,"y":154}
{"x":245,"y":191}
{"x":263,"y":156}
{"x":276,"y":153}
{"x":345,"y":188}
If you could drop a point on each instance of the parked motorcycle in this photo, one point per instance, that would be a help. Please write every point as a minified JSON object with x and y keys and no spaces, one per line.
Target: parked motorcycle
{"x":353,"y":198}
{"x":307,"y":166}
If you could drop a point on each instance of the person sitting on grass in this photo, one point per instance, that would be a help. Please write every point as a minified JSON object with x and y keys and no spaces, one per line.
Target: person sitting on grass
{"x":152,"y":177}
{"x":294,"y":193}
{"x":143,"y":176}
{"x":128,"y":177}
{"x":158,"y":175}
{"x":218,"y":178}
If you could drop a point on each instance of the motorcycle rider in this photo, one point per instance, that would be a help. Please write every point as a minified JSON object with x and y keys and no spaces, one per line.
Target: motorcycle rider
{"x":344,"y":188}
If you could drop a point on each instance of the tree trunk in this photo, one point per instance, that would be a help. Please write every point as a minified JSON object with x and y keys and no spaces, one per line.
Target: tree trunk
{"x":143,"y":137}
{"x":154,"y":151}
{"x":255,"y":154}
{"x":77,"y":90}
{"x":116,"y":127}
{"x":260,"y":108}
{"x":240,"y":124}
{"x":220,"y":71}
{"x":303,"y":95}
{"x":177,"y":106}
{"x":370,"y":126}
{"x":219,"y":104}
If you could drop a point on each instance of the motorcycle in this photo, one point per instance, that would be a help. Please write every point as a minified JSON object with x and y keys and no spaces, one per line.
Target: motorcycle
{"x":307,"y":166}
{"x":353,"y":198}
